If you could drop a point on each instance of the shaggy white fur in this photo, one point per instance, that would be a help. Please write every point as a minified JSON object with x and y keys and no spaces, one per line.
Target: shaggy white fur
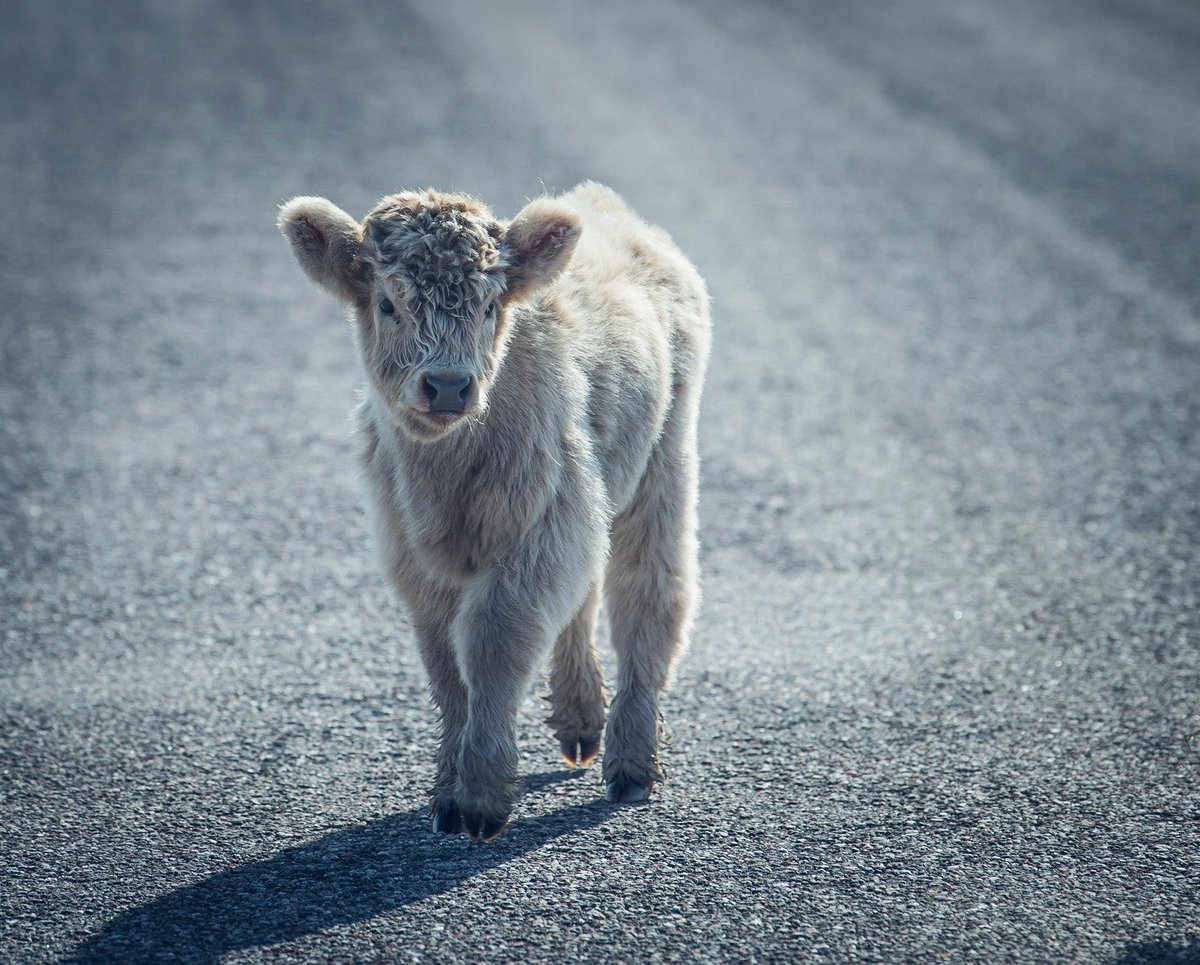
{"x":576,"y":337}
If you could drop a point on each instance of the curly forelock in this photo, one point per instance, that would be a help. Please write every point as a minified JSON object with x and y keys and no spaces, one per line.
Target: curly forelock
{"x":444,"y":250}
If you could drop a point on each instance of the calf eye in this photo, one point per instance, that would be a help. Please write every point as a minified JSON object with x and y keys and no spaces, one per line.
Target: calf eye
{"x":386,"y":306}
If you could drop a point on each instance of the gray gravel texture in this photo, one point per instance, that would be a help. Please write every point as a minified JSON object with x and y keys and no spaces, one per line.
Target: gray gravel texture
{"x":942,"y":702}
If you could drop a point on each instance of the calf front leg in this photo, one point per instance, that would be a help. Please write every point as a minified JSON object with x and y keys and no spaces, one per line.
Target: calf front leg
{"x":450,"y":695}
{"x":651,"y":587}
{"x":508,"y":616}
{"x":505,"y":626}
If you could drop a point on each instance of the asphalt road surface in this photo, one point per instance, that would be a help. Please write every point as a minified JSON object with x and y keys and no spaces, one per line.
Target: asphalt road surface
{"x":942,"y":699}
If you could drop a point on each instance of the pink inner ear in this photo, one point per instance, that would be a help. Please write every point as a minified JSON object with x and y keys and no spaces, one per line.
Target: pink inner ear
{"x":554,"y":238}
{"x":308,"y":233}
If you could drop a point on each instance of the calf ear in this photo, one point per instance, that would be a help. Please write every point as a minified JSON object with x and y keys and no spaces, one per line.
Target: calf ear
{"x":538,"y":244}
{"x":328,"y":244}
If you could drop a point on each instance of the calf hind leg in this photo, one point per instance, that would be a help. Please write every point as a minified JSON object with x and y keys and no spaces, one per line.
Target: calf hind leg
{"x":651,"y":590}
{"x":577,"y":687}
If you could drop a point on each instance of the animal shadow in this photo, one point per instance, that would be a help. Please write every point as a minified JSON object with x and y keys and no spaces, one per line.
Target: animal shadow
{"x":343,"y":877}
{"x":1161,"y":953}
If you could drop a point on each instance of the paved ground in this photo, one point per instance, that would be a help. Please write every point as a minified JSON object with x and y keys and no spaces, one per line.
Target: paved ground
{"x":943,"y":700}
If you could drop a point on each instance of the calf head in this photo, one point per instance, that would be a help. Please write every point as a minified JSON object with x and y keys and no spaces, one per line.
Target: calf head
{"x":431,"y":278}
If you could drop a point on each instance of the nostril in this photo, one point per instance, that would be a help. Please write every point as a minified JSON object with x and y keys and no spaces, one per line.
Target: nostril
{"x":446,"y":391}
{"x":429,"y":389}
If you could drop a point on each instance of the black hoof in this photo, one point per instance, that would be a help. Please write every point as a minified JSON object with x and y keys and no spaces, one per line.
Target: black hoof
{"x":447,"y":819}
{"x":580,"y":753}
{"x":626,"y":791}
{"x":480,"y":828}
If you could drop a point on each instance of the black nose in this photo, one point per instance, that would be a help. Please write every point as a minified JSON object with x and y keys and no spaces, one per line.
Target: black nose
{"x":447,"y":391}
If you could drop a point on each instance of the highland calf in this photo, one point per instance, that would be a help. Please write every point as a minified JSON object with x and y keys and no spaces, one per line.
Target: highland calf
{"x":529,"y":442}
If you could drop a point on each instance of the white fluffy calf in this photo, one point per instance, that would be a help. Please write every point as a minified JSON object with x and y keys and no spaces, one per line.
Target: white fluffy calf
{"x":529,"y":430}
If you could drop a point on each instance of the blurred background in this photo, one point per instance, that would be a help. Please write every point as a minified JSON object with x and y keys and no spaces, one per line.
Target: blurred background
{"x":941,"y":701}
